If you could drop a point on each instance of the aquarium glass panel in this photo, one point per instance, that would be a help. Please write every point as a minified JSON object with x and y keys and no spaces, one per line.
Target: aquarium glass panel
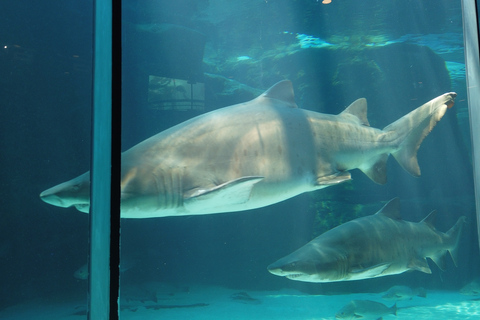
{"x":296,"y":160}
{"x":281,"y":160}
{"x":45,"y":125}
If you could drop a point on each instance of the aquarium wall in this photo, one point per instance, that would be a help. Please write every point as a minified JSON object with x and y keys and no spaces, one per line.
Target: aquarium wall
{"x":281,"y":159}
{"x":46,"y":90}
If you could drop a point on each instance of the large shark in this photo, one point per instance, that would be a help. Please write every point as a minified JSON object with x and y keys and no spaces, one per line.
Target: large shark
{"x":379,"y":245}
{"x":254,"y":154}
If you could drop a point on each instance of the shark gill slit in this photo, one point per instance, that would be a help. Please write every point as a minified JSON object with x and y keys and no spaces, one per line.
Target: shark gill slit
{"x":342,"y":267}
{"x":169,"y":186}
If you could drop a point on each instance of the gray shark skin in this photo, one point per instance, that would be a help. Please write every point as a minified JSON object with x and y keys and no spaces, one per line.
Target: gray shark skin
{"x":255,"y":154}
{"x":374,"y":246}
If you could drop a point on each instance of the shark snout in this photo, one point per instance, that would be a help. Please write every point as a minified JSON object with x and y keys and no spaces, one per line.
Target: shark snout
{"x":285,"y":269}
{"x":75,"y":192}
{"x":52,"y":198}
{"x":290,"y":274}
{"x":275,"y":270}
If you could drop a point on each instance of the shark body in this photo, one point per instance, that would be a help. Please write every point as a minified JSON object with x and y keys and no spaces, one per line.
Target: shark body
{"x":378,"y":245}
{"x":254,"y":154}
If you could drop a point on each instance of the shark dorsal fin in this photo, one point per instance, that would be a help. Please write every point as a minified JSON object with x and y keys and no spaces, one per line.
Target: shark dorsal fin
{"x":430,"y":219}
{"x":391,"y":209}
{"x":282,"y":91}
{"x":357,"y":109}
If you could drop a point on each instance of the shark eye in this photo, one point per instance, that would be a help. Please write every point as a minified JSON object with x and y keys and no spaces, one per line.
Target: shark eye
{"x":290,"y":266}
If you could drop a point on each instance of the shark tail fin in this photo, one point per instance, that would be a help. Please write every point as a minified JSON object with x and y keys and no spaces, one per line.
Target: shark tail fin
{"x":410,"y":130}
{"x":454,"y":236}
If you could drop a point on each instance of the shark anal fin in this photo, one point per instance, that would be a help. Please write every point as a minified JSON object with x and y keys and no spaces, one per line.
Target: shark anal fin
{"x":440,"y":260}
{"x":377,"y":171}
{"x":419,"y":264}
{"x":333,"y":179}
{"x":232,"y":192}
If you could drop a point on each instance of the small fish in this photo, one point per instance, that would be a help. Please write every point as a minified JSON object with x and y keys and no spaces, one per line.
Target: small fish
{"x":399,"y":293}
{"x":244,"y":297}
{"x":472,"y":288}
{"x":136,"y":294}
{"x":82,"y":272}
{"x":365,"y":309}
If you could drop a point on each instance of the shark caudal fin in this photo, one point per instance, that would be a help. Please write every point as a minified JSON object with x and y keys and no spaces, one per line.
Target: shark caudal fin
{"x":454,"y":235}
{"x":411,"y":129}
{"x":450,"y":239}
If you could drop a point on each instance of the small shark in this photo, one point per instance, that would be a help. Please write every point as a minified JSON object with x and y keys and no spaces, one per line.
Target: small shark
{"x":374,"y":246}
{"x":255,"y":154}
{"x":400,"y":293}
{"x":82,"y":272}
{"x":365,"y":310}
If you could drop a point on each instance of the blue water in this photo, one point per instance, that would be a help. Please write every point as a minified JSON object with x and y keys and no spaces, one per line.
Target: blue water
{"x":398,"y":55}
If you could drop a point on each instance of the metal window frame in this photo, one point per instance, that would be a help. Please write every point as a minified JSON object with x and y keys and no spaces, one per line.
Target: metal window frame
{"x":470,"y":12}
{"x":106,"y":132}
{"x":103,"y":292}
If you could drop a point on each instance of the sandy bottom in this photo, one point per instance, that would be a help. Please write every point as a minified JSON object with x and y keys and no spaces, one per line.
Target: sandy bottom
{"x":221,"y":303}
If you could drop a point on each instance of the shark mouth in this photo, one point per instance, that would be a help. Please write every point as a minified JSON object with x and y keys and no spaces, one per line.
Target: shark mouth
{"x":294,"y":275}
{"x":83,"y":207}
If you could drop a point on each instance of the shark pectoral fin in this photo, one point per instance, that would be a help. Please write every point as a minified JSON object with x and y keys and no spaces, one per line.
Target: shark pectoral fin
{"x":232,"y":192}
{"x":373,"y":271}
{"x":419,"y":264}
{"x":333,"y":179}
{"x":377,"y":169}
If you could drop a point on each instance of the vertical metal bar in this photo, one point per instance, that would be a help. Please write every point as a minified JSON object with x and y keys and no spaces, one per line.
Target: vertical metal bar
{"x":104,"y":177}
{"x":472,"y":66}
{"x":116,"y":139}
